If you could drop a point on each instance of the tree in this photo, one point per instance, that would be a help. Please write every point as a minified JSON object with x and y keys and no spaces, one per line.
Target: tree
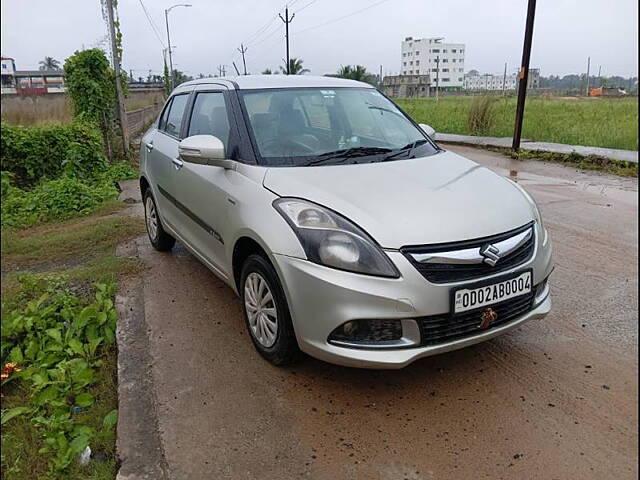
{"x":358,"y":73}
{"x":49,"y":63}
{"x":181,"y":77}
{"x":474,"y":73}
{"x":267,"y":71}
{"x":295,"y":67}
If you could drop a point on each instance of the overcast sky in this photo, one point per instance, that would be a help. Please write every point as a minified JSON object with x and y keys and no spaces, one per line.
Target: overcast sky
{"x":207,"y":34}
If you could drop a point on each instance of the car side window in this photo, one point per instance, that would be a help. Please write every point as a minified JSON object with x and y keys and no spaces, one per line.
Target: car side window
{"x":173,"y":123}
{"x":209,"y":117}
{"x":163,"y":118}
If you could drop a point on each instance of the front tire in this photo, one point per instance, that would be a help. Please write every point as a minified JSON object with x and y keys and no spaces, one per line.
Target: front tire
{"x":266,"y":312}
{"x":161,"y":240}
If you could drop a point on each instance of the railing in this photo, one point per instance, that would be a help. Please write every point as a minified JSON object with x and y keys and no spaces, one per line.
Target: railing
{"x":140,"y":118}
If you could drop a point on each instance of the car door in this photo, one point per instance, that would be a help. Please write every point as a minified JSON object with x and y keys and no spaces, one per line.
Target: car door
{"x":208,"y":190}
{"x":163,"y":163}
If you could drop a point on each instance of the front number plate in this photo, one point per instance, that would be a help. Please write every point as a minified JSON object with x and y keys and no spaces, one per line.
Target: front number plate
{"x":472,"y":298}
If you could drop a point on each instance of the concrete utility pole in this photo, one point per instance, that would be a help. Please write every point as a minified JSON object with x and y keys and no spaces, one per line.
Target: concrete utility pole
{"x":588,"y":68}
{"x":504,"y":79}
{"x":243,"y":49}
{"x":524,"y":74}
{"x":437,"y":75}
{"x":380,"y":78}
{"x":166,"y":19}
{"x":122,"y":114}
{"x":600,"y":75}
{"x":287,"y":20}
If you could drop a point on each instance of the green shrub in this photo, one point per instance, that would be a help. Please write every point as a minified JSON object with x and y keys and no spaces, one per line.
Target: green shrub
{"x":53,"y":200}
{"x":32,"y":154}
{"x":90,"y":82}
{"x":58,"y":341}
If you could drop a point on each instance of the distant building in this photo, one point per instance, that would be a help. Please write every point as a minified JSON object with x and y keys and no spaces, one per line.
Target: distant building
{"x":8,"y":71}
{"x":490,"y":82}
{"x":406,"y":85}
{"x":30,"y":82}
{"x":442,"y":62}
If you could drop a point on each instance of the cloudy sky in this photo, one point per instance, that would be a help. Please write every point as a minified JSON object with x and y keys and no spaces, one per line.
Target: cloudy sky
{"x":328,"y":33}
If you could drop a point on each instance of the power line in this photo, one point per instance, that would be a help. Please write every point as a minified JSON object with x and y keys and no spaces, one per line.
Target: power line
{"x":342,"y":17}
{"x":152,"y":23}
{"x":305,"y":6}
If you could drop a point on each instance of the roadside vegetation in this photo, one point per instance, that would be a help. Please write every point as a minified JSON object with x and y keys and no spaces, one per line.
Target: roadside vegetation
{"x":598,"y":122}
{"x":590,"y":162}
{"x":61,"y":223}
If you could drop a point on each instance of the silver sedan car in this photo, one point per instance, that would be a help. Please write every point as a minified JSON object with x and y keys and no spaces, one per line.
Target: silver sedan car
{"x":345,"y":230}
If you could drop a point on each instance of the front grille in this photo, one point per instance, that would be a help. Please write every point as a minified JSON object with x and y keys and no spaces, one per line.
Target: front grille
{"x":438,"y":329}
{"x":452,"y":272}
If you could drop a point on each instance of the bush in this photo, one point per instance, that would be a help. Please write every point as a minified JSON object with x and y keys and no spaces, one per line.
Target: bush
{"x":90,"y":83}
{"x":481,"y":117}
{"x":32,"y":154}
{"x":56,"y":344}
{"x":52,"y":200}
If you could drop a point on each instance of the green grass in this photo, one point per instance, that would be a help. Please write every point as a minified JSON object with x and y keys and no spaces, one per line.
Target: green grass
{"x":598,"y":122}
{"x":79,"y":240}
{"x":21,"y":441}
{"x":80,"y":252}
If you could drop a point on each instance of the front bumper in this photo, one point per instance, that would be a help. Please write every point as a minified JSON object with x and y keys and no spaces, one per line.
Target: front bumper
{"x":321,"y":298}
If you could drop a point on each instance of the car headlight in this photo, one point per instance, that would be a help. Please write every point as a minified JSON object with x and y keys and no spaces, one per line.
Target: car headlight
{"x":331,"y":240}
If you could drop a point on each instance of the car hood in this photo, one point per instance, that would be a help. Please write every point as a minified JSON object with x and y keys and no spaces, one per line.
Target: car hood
{"x":435,"y":199}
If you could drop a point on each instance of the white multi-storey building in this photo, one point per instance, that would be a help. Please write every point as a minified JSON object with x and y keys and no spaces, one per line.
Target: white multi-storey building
{"x":487,"y":81}
{"x":443,"y":62}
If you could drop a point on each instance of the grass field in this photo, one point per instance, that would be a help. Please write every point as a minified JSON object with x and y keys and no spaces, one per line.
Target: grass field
{"x":599,"y":122}
{"x":78,"y":252}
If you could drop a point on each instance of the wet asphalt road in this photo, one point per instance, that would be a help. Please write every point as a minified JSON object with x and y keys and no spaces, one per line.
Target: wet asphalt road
{"x":555,"y":399}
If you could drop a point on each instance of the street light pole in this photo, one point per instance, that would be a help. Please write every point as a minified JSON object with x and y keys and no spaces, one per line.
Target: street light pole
{"x":166,"y":19}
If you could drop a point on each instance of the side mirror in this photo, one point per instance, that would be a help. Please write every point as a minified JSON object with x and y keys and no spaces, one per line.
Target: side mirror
{"x":430,"y":131}
{"x":204,"y":150}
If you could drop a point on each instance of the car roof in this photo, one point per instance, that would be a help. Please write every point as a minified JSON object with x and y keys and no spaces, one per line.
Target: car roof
{"x":252,"y":82}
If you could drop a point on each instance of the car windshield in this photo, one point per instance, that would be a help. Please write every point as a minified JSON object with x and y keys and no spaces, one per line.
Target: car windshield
{"x":321,"y":126}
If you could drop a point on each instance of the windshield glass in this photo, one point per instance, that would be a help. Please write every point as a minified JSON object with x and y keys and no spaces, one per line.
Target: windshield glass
{"x":313,"y":126}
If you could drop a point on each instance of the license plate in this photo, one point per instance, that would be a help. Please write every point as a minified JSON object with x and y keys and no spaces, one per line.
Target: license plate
{"x":471,"y":298}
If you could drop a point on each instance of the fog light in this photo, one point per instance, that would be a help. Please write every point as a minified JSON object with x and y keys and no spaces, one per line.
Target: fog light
{"x":376,"y":333}
{"x":350,"y":328}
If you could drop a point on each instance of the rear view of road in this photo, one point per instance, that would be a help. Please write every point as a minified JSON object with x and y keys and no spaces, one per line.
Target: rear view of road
{"x":557,"y":398}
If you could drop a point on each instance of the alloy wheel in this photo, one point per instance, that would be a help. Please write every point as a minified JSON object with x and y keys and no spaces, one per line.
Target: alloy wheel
{"x":151,"y":218}
{"x":261,"y":310}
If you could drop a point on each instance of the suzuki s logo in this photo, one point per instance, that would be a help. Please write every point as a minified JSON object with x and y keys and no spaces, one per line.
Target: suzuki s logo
{"x":487,"y":318}
{"x":491,"y":254}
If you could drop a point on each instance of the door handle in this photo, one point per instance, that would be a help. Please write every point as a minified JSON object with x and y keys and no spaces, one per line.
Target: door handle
{"x":177,"y":163}
{"x":149,"y":146}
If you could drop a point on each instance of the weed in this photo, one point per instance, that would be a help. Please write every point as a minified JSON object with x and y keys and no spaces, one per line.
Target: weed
{"x":481,"y":118}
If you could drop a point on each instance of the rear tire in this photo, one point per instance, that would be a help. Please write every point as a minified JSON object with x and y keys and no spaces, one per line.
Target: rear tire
{"x":161,"y":240}
{"x":266,"y":312}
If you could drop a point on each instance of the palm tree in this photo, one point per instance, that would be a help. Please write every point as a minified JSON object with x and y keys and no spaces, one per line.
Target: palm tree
{"x":356,"y":73}
{"x":295,"y":67}
{"x":49,"y":63}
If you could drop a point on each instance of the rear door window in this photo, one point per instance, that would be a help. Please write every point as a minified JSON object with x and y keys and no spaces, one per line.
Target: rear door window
{"x":173,"y":123}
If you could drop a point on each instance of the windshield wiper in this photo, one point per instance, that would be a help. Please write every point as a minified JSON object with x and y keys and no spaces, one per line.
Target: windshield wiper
{"x":406,"y":149}
{"x":383,"y":109}
{"x":346,"y":153}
